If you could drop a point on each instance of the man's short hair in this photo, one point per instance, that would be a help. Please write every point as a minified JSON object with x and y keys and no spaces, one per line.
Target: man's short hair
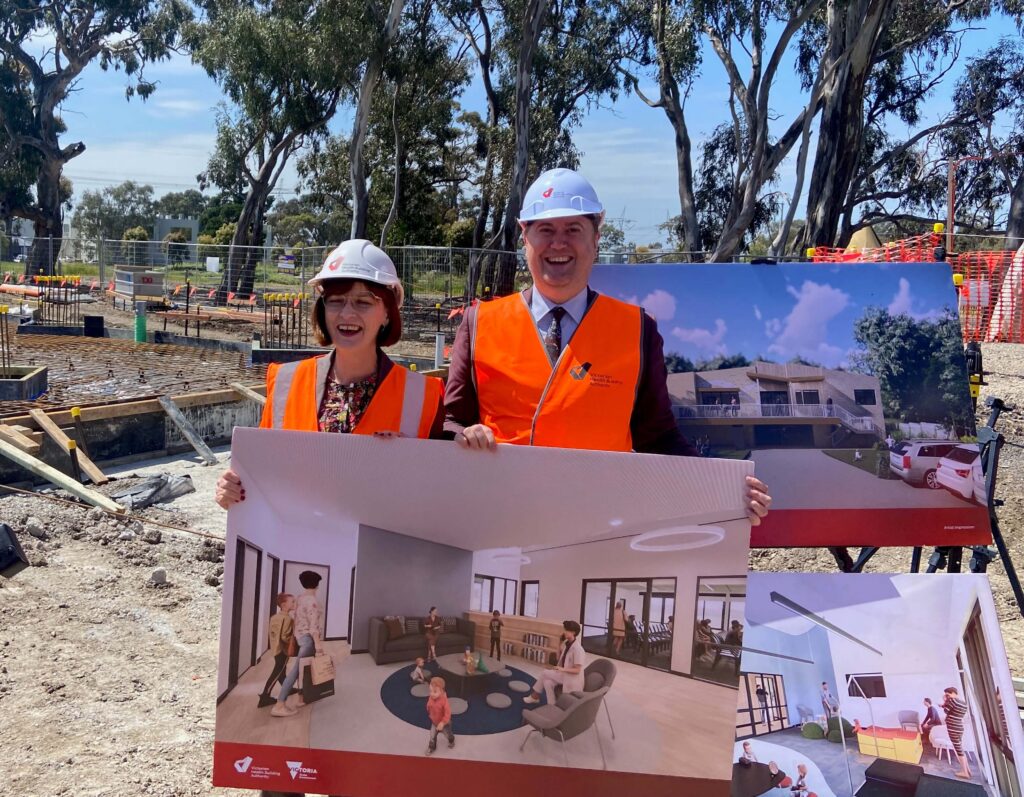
{"x":571,"y":625}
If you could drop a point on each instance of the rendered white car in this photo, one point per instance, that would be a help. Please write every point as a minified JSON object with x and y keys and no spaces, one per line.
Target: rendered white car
{"x":960,"y":472}
{"x":915,"y":461}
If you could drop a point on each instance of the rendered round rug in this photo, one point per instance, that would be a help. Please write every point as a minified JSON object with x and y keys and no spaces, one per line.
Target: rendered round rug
{"x":477,"y":720}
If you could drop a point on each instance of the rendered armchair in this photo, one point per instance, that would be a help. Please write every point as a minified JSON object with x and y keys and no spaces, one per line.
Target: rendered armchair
{"x":909,"y":720}
{"x":938,"y":737}
{"x":605,"y":668}
{"x":571,"y":715}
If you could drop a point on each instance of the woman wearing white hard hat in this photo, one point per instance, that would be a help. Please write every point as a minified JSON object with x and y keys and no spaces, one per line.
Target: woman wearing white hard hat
{"x":355,"y":388}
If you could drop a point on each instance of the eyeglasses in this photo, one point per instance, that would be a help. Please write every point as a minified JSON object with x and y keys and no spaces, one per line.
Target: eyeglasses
{"x":361,"y":303}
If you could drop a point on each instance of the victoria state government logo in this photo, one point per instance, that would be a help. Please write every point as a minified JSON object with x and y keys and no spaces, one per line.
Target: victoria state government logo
{"x":299,"y":772}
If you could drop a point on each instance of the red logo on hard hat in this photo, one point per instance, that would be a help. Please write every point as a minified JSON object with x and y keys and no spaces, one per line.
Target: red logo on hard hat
{"x":549,"y":192}
{"x":334,"y":266}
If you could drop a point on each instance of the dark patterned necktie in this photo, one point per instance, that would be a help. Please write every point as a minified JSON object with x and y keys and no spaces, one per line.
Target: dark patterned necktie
{"x":553,"y":338}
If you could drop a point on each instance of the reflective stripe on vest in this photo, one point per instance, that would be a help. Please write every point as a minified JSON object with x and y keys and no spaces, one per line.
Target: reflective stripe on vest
{"x":584,"y":401}
{"x":294,"y":396}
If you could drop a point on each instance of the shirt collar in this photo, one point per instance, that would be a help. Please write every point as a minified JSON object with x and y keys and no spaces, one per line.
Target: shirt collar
{"x":540,"y":305}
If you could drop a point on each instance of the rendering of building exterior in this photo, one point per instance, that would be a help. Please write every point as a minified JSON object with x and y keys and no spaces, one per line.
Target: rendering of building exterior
{"x":766,"y":405}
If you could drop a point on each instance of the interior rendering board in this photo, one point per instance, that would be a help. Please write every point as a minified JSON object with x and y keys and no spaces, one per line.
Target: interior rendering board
{"x":875,"y":686}
{"x":539,"y":604}
{"x":845,"y":384}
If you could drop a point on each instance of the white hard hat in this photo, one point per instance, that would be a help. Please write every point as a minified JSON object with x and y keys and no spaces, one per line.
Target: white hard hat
{"x":558,"y":193}
{"x":359,"y":259}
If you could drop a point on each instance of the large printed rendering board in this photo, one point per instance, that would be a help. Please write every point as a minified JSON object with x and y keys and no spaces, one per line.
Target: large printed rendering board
{"x":845,"y":384}
{"x":860,"y":682}
{"x":391,"y":528}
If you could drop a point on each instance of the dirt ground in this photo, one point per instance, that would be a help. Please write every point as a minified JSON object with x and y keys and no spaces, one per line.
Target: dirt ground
{"x":108,"y":680}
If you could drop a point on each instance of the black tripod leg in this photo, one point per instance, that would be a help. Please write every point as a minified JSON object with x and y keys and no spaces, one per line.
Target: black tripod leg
{"x":915,"y":561}
{"x":1011,"y":571}
{"x":862,"y":559}
{"x":955,"y":555}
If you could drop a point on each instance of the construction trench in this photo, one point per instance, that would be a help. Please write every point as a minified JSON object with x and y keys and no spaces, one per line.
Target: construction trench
{"x":56,"y":358}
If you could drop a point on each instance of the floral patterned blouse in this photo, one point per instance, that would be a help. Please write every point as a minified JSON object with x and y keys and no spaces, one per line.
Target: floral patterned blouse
{"x":344,"y":405}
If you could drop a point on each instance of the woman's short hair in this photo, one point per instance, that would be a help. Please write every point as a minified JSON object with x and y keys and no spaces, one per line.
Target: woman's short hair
{"x":571,"y":625}
{"x":310,"y":579}
{"x":387,"y":336}
{"x":952,"y":689}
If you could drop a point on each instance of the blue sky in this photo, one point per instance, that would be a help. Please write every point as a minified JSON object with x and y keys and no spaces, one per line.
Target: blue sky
{"x":777,"y":312}
{"x":628,"y":150}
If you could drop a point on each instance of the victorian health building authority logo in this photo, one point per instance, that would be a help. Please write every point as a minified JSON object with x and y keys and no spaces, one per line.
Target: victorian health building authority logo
{"x":580,"y":371}
{"x":242,"y":764}
{"x":299,"y":772}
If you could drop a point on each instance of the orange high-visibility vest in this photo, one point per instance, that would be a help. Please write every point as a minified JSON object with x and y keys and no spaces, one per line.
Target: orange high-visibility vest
{"x":584,"y":400}
{"x":405,"y":402}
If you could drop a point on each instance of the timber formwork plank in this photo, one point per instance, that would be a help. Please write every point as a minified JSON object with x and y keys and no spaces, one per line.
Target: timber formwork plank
{"x":62,"y":480}
{"x":89,"y":468}
{"x":188,"y":430}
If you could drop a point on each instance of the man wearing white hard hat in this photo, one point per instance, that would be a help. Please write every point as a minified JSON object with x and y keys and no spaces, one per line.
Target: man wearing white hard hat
{"x":560,"y":364}
{"x":354,"y":388}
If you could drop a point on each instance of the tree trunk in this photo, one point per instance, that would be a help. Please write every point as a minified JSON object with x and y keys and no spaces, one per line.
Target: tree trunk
{"x":841,"y":130}
{"x":371,"y":77}
{"x":49,"y":226}
{"x":1015,"y":220}
{"x":396,"y":196}
{"x":672,"y":105}
{"x":532,"y":23}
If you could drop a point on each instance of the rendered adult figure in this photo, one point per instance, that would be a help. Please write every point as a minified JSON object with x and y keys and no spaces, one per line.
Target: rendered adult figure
{"x":569,"y":670}
{"x":618,"y":626}
{"x":355,"y":388}
{"x":431,"y":629}
{"x":931,"y":718}
{"x":828,"y":702}
{"x":762,"y":698}
{"x":956,"y":710}
{"x":522,"y":365}
{"x":309,"y":629}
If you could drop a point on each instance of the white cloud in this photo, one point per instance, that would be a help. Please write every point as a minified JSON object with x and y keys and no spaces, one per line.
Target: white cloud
{"x":704,"y":339}
{"x":903,"y":303}
{"x":757,"y":312}
{"x":660,"y":304}
{"x":804,"y":331}
{"x":180,"y":106}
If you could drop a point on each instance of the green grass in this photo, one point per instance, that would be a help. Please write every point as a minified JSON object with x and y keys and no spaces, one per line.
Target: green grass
{"x":867,"y":464}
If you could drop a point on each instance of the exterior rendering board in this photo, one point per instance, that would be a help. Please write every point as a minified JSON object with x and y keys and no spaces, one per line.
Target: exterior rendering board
{"x":845,"y":384}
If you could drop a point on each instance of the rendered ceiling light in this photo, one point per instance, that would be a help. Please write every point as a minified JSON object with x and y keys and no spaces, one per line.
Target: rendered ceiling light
{"x":706,"y":535}
{"x":516,"y":558}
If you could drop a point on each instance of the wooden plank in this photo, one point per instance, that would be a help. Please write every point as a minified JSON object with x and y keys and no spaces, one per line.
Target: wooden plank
{"x":62,"y":480}
{"x":31,"y":434}
{"x":188,"y":430}
{"x":16,"y":438}
{"x":248,"y":393}
{"x":89,"y":468}
{"x":103,"y":412}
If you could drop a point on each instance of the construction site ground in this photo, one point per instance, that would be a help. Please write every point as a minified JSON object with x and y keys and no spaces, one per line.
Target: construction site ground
{"x":108,"y":679}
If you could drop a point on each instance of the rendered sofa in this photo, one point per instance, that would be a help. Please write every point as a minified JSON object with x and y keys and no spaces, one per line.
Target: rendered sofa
{"x":386,"y":648}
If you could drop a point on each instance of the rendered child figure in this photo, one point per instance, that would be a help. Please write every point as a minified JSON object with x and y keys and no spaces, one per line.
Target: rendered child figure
{"x":281,"y":634}
{"x":418,"y":674}
{"x":469,"y":660}
{"x":495,"y":626}
{"x":440,"y":713}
